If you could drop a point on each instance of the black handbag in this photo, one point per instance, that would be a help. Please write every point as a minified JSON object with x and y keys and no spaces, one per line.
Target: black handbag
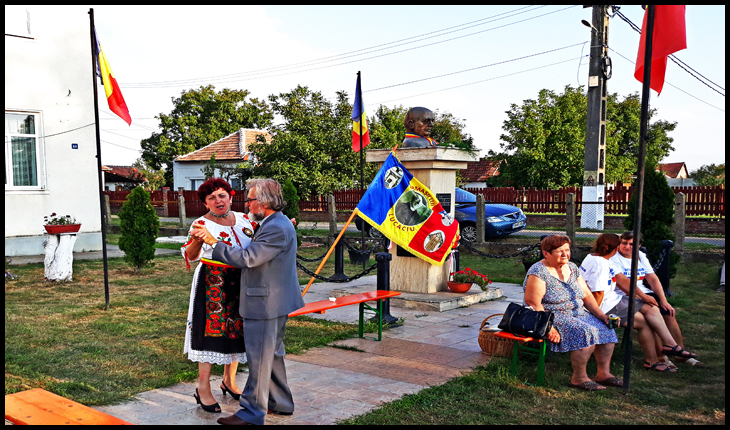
{"x":526,"y":322}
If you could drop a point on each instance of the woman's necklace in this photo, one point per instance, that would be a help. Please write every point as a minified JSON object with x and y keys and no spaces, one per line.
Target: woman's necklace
{"x":220,"y":216}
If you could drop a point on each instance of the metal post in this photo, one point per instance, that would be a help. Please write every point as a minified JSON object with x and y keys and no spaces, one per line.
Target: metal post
{"x":94,"y":57}
{"x":339,"y":262}
{"x":383,"y":261}
{"x":639,"y":190}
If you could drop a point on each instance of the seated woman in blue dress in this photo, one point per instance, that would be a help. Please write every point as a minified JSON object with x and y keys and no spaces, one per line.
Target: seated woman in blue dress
{"x":580,"y":327}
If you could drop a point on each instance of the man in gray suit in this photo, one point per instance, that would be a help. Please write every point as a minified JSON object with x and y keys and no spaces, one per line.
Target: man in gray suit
{"x":269,"y":292}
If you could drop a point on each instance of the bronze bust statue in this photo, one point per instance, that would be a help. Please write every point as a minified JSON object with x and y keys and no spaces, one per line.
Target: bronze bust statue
{"x":419,"y":122}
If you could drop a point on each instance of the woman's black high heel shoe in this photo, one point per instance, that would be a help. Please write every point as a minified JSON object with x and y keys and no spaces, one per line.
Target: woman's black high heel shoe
{"x":225,"y":388}
{"x":215,"y":407}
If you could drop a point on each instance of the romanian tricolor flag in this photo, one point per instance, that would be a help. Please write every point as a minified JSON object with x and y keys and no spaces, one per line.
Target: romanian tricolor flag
{"x":111,"y":87}
{"x":359,"y":121}
{"x":408,"y":213}
{"x":670,"y":36}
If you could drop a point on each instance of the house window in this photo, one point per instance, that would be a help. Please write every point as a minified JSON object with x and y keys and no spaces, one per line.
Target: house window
{"x":22,"y":150}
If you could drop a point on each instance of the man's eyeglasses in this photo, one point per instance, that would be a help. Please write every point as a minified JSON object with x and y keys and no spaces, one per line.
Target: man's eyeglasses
{"x":249,"y":200}
{"x":628,"y":244}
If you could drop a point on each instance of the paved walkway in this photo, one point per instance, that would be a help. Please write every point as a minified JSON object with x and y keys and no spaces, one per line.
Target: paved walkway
{"x":331,"y":384}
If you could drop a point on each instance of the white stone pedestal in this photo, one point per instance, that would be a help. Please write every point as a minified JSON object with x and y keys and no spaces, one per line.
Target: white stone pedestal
{"x":59,"y":256}
{"x":435,"y":168}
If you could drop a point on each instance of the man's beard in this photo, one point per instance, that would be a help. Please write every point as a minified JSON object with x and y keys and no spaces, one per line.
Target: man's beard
{"x":257,"y":216}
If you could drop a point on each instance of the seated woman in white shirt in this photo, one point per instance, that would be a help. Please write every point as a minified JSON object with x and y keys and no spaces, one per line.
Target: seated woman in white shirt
{"x":600,"y":276}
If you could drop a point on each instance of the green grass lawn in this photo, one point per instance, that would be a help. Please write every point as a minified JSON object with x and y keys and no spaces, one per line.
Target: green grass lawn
{"x":59,"y":337}
{"x":489,"y":395}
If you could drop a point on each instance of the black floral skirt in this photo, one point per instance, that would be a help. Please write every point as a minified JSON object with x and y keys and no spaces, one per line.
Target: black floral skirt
{"x":216,"y":324}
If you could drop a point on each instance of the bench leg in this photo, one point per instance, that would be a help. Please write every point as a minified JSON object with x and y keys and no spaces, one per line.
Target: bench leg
{"x":378,"y":313}
{"x":360,"y":323}
{"x":541,"y":364}
{"x":515,"y":349}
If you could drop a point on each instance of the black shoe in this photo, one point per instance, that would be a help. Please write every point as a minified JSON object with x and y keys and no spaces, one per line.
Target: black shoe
{"x":215,"y":407}
{"x":225,"y":389}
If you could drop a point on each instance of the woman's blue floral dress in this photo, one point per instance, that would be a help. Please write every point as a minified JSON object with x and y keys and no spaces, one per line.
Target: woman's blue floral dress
{"x":578,"y":328}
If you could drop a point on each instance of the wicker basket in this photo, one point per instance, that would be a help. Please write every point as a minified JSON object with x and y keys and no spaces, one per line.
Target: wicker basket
{"x":492,"y":345}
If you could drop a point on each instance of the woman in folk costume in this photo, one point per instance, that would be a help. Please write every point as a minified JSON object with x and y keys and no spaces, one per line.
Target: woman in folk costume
{"x":214,"y":327}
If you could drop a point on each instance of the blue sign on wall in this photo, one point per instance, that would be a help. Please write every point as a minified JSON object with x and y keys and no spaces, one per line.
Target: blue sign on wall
{"x":74,"y":146}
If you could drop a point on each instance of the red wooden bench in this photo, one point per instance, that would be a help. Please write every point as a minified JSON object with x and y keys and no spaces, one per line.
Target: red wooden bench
{"x":323,"y":305}
{"x":41,"y":407}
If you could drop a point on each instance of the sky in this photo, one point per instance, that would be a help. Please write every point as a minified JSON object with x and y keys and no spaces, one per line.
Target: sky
{"x":478,"y":48}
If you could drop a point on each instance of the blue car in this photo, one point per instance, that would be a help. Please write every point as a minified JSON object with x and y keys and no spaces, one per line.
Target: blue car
{"x":500,"y":219}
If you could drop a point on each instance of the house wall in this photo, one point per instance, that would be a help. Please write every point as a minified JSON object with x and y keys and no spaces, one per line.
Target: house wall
{"x":184,"y":173}
{"x":50,"y":74}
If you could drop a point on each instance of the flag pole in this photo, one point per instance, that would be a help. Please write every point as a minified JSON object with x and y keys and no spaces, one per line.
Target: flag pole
{"x":646,"y":91}
{"x":362,"y":176}
{"x":324,"y":260}
{"x":98,"y":159}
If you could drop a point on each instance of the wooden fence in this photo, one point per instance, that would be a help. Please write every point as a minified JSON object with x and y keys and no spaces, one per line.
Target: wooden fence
{"x":700,"y":200}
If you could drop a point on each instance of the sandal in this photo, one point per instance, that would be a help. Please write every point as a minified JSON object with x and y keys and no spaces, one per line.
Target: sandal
{"x":655,"y":366}
{"x":691,"y":361}
{"x":677,"y":351}
{"x":587,"y":386}
{"x":612,"y":382}
{"x":664,"y":359}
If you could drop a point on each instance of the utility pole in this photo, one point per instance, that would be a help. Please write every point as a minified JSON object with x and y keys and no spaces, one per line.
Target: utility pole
{"x":599,"y":71}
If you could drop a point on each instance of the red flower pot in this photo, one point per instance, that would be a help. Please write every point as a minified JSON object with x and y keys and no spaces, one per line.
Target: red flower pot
{"x":458,"y":287}
{"x":58,"y":229}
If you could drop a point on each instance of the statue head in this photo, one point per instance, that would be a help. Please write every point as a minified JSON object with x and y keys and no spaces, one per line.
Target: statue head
{"x":419,"y":120}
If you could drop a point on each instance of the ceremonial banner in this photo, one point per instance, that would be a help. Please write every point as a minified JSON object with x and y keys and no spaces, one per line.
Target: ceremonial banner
{"x":111,"y":87}
{"x":408,"y":213}
{"x":358,"y":118}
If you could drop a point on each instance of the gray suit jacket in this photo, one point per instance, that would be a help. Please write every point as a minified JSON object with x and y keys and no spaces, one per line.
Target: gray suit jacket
{"x":269,"y":283}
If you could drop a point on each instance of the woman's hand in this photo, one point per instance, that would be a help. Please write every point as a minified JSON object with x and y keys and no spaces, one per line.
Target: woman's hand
{"x":667,"y":307}
{"x":603,"y":317}
{"x":554,"y":335}
{"x":202,"y":234}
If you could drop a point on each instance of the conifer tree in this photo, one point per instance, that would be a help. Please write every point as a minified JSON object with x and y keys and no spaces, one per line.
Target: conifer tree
{"x":139,"y":226}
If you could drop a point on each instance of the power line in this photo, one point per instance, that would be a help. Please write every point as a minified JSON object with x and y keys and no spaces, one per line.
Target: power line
{"x":676,"y":60}
{"x":474,"y":68}
{"x":477,"y":82}
{"x":669,"y":83}
{"x":224,"y":79}
{"x":343,"y":55}
{"x":67,"y":131}
{"x":131,"y":149}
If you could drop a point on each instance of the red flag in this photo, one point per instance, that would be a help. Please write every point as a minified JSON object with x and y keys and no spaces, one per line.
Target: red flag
{"x":111,"y":87}
{"x":669,"y":37}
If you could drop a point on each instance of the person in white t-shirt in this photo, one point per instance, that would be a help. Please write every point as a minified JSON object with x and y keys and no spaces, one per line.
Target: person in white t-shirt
{"x":600,"y":276}
{"x":655,"y":300}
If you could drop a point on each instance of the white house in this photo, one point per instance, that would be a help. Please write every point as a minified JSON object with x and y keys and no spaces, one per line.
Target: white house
{"x":187,"y":170}
{"x":50,"y":142}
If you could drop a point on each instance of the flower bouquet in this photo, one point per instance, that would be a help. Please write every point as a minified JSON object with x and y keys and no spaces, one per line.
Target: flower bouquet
{"x":462,"y":280}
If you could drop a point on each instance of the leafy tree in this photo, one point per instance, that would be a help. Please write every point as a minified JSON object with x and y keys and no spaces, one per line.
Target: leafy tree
{"x":139,"y":226}
{"x":200,"y":117}
{"x":709,"y":175}
{"x":657,"y":215}
{"x":544,"y":141}
{"x":313,"y":146}
{"x":155,"y":177}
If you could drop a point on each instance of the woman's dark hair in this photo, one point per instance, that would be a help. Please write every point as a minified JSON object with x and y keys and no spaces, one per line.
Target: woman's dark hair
{"x":605,"y":244}
{"x":211,"y":185}
{"x":553,"y":242}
